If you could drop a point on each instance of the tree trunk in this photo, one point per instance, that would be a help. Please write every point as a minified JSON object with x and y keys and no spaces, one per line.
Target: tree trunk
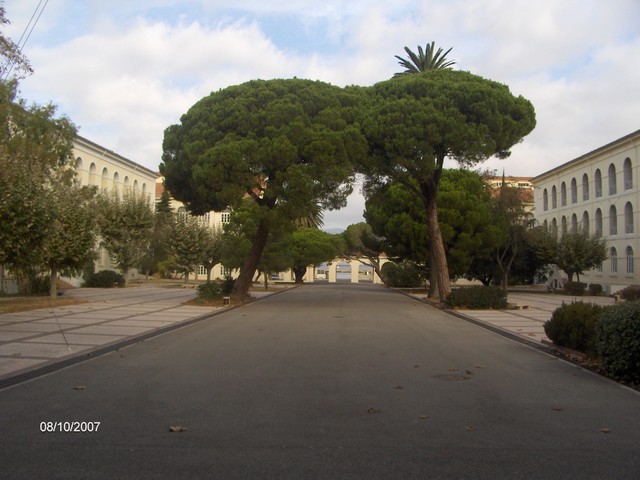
{"x":2,"y":279}
{"x":299,"y":273}
{"x":53,"y":283}
{"x":439,"y":267}
{"x":209,"y":273}
{"x":186,"y":278}
{"x":433,"y":278}
{"x":244,"y":280}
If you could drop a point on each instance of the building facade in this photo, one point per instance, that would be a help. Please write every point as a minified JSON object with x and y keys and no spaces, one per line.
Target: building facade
{"x":598,"y":192}
{"x":109,"y":171}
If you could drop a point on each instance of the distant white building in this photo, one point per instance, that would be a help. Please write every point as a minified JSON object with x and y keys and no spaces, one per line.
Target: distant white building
{"x":109,"y":171}
{"x":599,"y":192}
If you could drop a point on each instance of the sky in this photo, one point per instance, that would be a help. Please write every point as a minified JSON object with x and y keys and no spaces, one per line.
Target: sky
{"x":124,"y":70}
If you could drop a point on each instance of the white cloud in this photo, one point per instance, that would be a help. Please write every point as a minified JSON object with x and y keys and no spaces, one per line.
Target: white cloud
{"x":124,"y":71}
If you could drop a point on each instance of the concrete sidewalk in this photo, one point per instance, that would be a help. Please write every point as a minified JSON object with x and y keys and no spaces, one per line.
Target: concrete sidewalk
{"x":37,"y":339}
{"x":526,"y":321}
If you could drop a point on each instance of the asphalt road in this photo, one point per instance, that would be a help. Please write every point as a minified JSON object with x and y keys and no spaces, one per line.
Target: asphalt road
{"x":330,"y":382}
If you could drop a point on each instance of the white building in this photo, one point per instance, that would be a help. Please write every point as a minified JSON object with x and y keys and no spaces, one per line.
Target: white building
{"x":599,"y":192}
{"x":96,"y":165}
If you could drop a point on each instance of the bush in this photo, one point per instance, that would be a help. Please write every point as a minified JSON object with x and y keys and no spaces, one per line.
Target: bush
{"x":105,"y":279}
{"x":227,"y":285}
{"x":210,"y":290}
{"x":595,"y":289}
{"x":40,"y":285}
{"x":630,"y":293}
{"x":477,"y":297}
{"x":574,"y":325}
{"x":575,"y":288}
{"x":402,"y":275}
{"x":619,"y":341}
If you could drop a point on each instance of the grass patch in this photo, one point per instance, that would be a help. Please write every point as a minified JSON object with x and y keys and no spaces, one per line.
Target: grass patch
{"x":24,"y":304}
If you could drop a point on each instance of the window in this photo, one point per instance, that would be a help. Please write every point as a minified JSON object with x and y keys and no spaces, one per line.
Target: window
{"x":563,"y":225}
{"x":613,"y":220}
{"x":104,"y":183}
{"x":585,"y":222}
{"x":545,"y":200}
{"x":628,"y":174}
{"x":545,"y":225}
{"x":202,"y":270}
{"x":585,"y":187}
{"x":574,"y":191}
{"x":613,"y":187}
{"x":613,"y":256}
{"x":554,"y":197}
{"x":574,"y":223}
{"x":598,"y":183}
{"x":599,"y":222}
{"x":563,"y":194}
{"x":225,"y":272}
{"x":225,"y":217}
{"x":630,"y":266}
{"x":554,"y":227}
{"x":628,"y":218}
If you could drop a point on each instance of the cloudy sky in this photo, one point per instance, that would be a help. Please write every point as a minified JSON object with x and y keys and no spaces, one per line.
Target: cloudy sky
{"x":124,"y":70}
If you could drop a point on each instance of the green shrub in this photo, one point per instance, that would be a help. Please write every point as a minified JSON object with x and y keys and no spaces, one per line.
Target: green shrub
{"x":105,"y":279}
{"x":38,"y":285}
{"x":619,"y":341}
{"x":630,"y":293}
{"x":477,"y":297}
{"x":575,"y":288}
{"x":402,"y":275}
{"x":573,"y":325}
{"x":210,"y":290}
{"x":227,"y":285}
{"x":595,"y":289}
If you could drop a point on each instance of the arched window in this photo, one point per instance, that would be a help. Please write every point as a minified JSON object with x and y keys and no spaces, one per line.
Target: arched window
{"x":116,"y":182}
{"x":598,"y":183}
{"x":613,"y":220}
{"x":563,"y":225}
{"x":628,"y":174}
{"x":613,"y":187}
{"x":599,"y":222}
{"x":563,"y":194}
{"x":585,"y":222}
{"x":574,"y":191}
{"x":630,"y":262}
{"x":135,"y":185}
{"x":628,"y":218}
{"x":585,"y":187}
{"x":574,"y":223}
{"x":554,"y":227}
{"x":545,"y":200}
{"x":554,"y":197}
{"x":93,"y":174}
{"x":126,"y":182}
{"x":545,"y":225}
{"x":104,"y":184}
{"x":613,"y":256}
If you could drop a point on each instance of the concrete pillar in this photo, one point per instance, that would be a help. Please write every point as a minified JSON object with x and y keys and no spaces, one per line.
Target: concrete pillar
{"x":332,"y":272}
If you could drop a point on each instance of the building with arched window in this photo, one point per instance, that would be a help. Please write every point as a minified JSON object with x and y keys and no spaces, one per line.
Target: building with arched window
{"x":604,"y":189}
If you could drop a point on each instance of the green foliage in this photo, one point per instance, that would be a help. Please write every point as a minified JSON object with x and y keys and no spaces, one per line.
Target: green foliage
{"x":311,"y":246}
{"x":595,"y":289}
{"x":416,"y":121}
{"x":402,"y":275}
{"x":216,"y":289}
{"x":187,"y":243}
{"x":210,"y":290}
{"x":619,"y":341}
{"x":577,"y":252}
{"x":477,"y":298}
{"x":576,"y":289}
{"x":630,"y":293}
{"x":427,"y":59}
{"x":574,"y":326}
{"x":125,"y":225}
{"x":105,"y":279}
{"x":38,"y":285}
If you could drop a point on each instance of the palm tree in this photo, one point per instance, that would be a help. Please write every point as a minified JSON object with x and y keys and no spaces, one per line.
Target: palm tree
{"x":425,"y":60}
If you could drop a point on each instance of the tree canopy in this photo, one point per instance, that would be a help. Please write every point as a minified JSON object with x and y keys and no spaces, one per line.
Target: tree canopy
{"x":417,"y":121}
{"x":287,"y":144}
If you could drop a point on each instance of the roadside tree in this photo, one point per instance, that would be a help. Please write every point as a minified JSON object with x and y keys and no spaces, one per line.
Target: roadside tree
{"x":288,"y":145}
{"x":417,"y":121}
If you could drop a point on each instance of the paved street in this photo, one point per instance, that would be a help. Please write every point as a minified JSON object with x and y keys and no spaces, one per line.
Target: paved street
{"x":326,"y":381}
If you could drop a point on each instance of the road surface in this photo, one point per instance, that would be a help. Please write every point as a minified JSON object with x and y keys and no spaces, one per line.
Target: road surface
{"x":323,"y":381}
